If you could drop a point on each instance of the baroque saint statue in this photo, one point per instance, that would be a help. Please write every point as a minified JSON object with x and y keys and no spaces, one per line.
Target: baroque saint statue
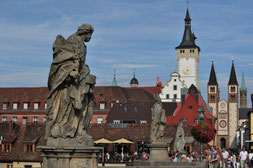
{"x":158,"y":122}
{"x":179,"y":141}
{"x":70,"y":102}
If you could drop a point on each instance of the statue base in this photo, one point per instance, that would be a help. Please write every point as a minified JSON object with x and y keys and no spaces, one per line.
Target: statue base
{"x":84,"y":141}
{"x":159,"y":152}
{"x":69,"y":157}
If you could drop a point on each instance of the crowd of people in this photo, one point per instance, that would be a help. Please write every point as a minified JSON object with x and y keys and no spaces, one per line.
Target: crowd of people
{"x":215,"y":158}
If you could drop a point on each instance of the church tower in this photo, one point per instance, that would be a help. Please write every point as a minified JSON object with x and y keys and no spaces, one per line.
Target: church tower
{"x":243,"y":93}
{"x":213,"y":91}
{"x":233,"y":106}
{"x":114,"y":82}
{"x":188,"y":55}
{"x":134,"y":82}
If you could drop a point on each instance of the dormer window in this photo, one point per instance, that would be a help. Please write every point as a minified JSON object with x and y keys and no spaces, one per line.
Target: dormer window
{"x":25,"y":106}
{"x":36,"y":106}
{"x":99,"y":120}
{"x":181,"y":51}
{"x":45,"y":106}
{"x":112,"y":103}
{"x":125,"y":109}
{"x":116,"y":121}
{"x":6,"y":147}
{"x":15,"y":106}
{"x":191,"y":51}
{"x":29,"y":147}
{"x":102,"y":106}
{"x":143,"y":121}
{"x":5,"y":106}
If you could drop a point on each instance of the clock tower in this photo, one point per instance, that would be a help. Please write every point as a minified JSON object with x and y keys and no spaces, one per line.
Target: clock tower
{"x":188,"y":55}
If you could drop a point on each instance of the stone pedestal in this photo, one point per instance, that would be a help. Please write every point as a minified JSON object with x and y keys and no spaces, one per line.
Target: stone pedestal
{"x":69,"y":157}
{"x":159,"y":152}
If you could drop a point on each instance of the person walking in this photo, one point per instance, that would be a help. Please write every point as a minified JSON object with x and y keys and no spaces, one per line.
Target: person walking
{"x":243,"y":158}
{"x":225,"y":155}
{"x":214,"y":158}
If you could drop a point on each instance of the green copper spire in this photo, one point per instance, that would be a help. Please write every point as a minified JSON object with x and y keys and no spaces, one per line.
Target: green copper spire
{"x":243,"y":86}
{"x":114,"y":82}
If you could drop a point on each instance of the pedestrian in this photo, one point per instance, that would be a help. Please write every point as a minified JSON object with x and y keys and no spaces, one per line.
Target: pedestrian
{"x":214,"y":158}
{"x":107,"y":156}
{"x":225,"y":155}
{"x":189,"y":158}
{"x":234,"y":160}
{"x":243,"y":157}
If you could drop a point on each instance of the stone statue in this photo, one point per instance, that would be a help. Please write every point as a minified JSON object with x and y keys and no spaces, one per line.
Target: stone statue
{"x":158,"y":121}
{"x":70,"y":100}
{"x":179,"y":141}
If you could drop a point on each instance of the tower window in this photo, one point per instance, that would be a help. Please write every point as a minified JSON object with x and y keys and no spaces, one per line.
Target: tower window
{"x":232,"y":88}
{"x":167,"y":96}
{"x":212,"y":89}
{"x":181,"y":51}
{"x":175,"y":87}
{"x":232,"y":97}
{"x":212,"y":98}
{"x":191,"y":51}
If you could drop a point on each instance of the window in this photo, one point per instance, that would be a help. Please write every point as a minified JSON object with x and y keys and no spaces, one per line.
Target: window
{"x":143,"y":121}
{"x":222,"y":115}
{"x":4,"y":119}
{"x":36,"y":106}
{"x":44,"y":119}
{"x":212,"y":89}
{"x":232,"y":88}
{"x":28,"y":166}
{"x":5,"y":106}
{"x":175,"y":87}
{"x":116,"y":121}
{"x":102,"y":106}
{"x":175,"y":80}
{"x":45,"y":106}
{"x":181,"y":51}
{"x":99,"y":120}
{"x":6,"y":147}
{"x":232,"y":97}
{"x":135,"y":109}
{"x":112,"y":103}
{"x":28,"y":147}
{"x":212,"y":98}
{"x":15,"y":106}
{"x":25,"y":119}
{"x":35,"y":119}
{"x":167,"y":96}
{"x":190,"y":107}
{"x":125,"y":109}
{"x":175,"y":96}
{"x":191,"y":51}
{"x":14,"y":119}
{"x":25,"y":105}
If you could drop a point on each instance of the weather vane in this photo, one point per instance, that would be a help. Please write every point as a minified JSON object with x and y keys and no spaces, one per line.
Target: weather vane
{"x":187,"y":3}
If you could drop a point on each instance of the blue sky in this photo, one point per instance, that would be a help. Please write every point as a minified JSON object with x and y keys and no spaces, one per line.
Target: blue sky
{"x":143,"y":33}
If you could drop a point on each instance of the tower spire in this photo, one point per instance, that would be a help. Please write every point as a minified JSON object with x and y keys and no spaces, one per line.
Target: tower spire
{"x":243,"y":86}
{"x":114,"y":82}
{"x":232,"y":78}
{"x":212,"y":77}
{"x":134,"y":71}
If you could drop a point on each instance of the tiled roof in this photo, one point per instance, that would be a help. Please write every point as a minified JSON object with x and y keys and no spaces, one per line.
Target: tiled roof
{"x":20,"y":135}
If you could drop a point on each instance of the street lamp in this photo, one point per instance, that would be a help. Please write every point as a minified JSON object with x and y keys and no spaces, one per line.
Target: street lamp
{"x":201,"y":117}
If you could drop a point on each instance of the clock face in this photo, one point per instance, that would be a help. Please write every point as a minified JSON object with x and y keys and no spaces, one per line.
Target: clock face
{"x":187,"y":70}
{"x":222,"y":105}
{"x":223,"y":124}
